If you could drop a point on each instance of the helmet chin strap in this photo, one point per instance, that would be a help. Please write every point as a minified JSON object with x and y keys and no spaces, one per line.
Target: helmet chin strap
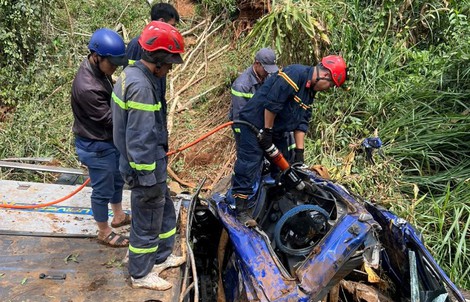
{"x":317,"y":72}
{"x":317,"y":69}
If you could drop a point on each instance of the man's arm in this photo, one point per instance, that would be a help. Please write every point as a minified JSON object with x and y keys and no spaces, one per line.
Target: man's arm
{"x":240,"y":96}
{"x":299,"y":137}
{"x":269,"y":119}
{"x":97,"y":108}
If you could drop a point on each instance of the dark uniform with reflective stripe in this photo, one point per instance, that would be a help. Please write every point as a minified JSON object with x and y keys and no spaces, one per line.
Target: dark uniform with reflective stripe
{"x":140,"y":134}
{"x":134,"y":53}
{"x":286,"y":95}
{"x":242,"y":91}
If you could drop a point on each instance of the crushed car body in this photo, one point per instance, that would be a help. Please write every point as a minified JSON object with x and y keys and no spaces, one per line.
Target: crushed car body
{"x":318,"y":244}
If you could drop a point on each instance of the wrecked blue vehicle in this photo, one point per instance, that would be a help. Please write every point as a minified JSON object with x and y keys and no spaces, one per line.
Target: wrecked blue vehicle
{"x":318,"y":244}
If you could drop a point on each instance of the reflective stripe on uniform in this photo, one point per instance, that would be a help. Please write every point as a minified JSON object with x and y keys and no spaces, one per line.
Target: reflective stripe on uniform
{"x":289,"y":80}
{"x":143,"y":167}
{"x":240,"y":195}
{"x":301,"y":104}
{"x":130,"y":62}
{"x":237,"y":130}
{"x":137,"y":250}
{"x":296,"y":88}
{"x":242,"y":94}
{"x":135,"y":105}
{"x":167,"y":234}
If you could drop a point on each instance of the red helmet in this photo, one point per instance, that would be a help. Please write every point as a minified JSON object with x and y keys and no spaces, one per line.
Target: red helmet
{"x":337,"y":67}
{"x":159,"y":35}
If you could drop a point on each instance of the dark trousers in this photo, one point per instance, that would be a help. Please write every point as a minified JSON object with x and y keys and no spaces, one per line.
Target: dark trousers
{"x":153,"y":229}
{"x":249,"y":163}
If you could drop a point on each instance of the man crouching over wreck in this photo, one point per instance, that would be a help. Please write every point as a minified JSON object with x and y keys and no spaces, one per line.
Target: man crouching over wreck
{"x":140,"y":134}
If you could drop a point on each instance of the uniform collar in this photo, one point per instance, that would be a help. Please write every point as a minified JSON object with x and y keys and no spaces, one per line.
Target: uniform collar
{"x":309,"y":84}
{"x":253,"y":77}
{"x":145,"y":70}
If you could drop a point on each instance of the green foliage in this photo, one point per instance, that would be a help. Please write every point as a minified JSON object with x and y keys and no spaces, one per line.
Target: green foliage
{"x":294,"y":29}
{"x":20,"y":30}
{"x":411,"y":82}
{"x":220,"y":7}
{"x":21,"y":42}
{"x":444,"y":221}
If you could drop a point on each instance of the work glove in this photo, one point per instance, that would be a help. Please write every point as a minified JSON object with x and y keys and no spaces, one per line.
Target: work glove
{"x":292,"y":180}
{"x":265,"y":138}
{"x":299,"y":155}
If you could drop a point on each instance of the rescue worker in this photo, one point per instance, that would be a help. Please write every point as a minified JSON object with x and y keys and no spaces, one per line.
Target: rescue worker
{"x":282,"y":104}
{"x":164,"y":12}
{"x":245,"y":86}
{"x":93,"y":130}
{"x":140,"y":133}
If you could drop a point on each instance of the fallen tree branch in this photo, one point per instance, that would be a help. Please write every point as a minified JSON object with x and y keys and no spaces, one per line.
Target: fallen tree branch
{"x":194,"y":28}
{"x":223,"y":171}
{"x":215,"y":54}
{"x":175,"y":177}
{"x":201,"y":41}
{"x":177,"y":97}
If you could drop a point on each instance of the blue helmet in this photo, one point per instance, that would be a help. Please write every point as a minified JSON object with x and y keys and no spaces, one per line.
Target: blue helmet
{"x":108,"y":43}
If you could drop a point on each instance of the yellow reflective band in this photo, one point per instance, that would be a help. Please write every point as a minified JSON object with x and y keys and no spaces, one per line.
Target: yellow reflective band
{"x":135,"y":105}
{"x":144,"y":107}
{"x":118,"y":101}
{"x":240,"y":195}
{"x":130,"y":62}
{"x":237,"y":130}
{"x":291,"y":147}
{"x":143,"y":167}
{"x":242,"y":94}
{"x":288,"y":80}
{"x":167,"y":234}
{"x":137,"y":250}
{"x":302,"y":105}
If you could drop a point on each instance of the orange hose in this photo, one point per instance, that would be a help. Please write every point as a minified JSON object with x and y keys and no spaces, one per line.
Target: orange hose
{"x":33,"y":206}
{"x":200,"y":139}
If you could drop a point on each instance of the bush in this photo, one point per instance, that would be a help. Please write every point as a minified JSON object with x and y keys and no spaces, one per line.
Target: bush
{"x":21,"y":39}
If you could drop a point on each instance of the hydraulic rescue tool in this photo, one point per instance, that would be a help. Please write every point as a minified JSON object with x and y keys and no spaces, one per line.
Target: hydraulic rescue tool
{"x":275,"y":157}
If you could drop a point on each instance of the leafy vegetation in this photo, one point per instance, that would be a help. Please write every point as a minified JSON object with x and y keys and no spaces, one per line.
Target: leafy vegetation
{"x":409,"y":79}
{"x":21,"y":44}
{"x":294,"y":29}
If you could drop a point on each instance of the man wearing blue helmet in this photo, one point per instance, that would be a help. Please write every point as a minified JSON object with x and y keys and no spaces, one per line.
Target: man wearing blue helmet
{"x":93,"y":130}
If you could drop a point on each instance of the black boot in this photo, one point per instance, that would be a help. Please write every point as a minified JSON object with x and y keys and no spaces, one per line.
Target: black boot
{"x":243,"y":214}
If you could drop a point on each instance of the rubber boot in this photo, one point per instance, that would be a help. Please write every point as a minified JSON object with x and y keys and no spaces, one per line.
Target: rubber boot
{"x":243,"y":214}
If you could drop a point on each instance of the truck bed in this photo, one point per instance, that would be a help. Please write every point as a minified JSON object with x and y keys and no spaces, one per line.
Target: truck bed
{"x":60,"y":239}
